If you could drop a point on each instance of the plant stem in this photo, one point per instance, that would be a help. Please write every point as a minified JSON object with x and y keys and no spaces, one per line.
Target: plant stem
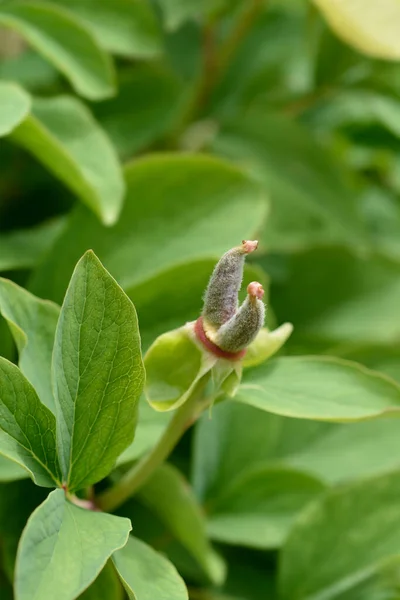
{"x":239,"y":32}
{"x":137,"y":476}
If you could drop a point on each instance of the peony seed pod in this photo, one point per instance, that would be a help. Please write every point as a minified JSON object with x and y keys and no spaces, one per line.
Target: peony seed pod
{"x":221,"y":296}
{"x":243,"y":327}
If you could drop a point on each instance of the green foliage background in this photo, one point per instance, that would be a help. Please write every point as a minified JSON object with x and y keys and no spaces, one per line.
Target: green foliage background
{"x":160,"y":134}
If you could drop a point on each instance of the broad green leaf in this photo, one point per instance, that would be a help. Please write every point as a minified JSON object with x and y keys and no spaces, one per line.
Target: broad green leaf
{"x":372,"y":31}
{"x":14,"y":106}
{"x":385,"y":359}
{"x":358,"y":305}
{"x":24,"y":248}
{"x":150,"y":100}
{"x":167,"y":304}
{"x":356,"y":107}
{"x":66,"y":546}
{"x":174,"y":365}
{"x":239,"y":439}
{"x":125,"y":27}
{"x":164,"y":231}
{"x":65,"y":42}
{"x":63,"y":135}
{"x":168,"y":494}
{"x":33,"y":324}
{"x":97,"y":374}
{"x":312,"y":199}
{"x":150,"y":427}
{"x":18,"y":500}
{"x":27,"y":427}
{"x":10,"y":471}
{"x":107,"y":586}
{"x":29,"y":69}
{"x":361,"y":520}
{"x":147,"y":574}
{"x":321,"y":388}
{"x":258,"y":508}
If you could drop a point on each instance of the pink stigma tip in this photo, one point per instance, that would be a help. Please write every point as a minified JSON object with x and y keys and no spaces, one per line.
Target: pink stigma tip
{"x":250,"y":246}
{"x":255,"y":290}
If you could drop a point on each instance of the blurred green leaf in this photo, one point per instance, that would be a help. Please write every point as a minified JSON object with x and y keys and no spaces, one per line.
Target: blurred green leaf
{"x":24,"y":248}
{"x":64,"y":543}
{"x":319,"y":387}
{"x":239,"y":439}
{"x":150,"y":427}
{"x":147,"y":574}
{"x":311,"y":196}
{"x":385,"y":359}
{"x":17,"y":501}
{"x":258,"y":508}
{"x":65,"y":42}
{"x":14,"y":106}
{"x":359,"y":520}
{"x":107,"y":586}
{"x":177,"y":12}
{"x":27,"y":427}
{"x":125,"y":27}
{"x":11,"y":471}
{"x":372,"y":31}
{"x":150,"y":100}
{"x":63,"y":135}
{"x":33,"y":324}
{"x":179,"y":208}
{"x":168,"y":494}
{"x":29,"y":69}
{"x":341,"y":297}
{"x":97,"y":374}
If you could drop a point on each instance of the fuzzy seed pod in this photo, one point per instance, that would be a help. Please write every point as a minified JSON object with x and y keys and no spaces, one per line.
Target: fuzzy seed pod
{"x":244,"y":325}
{"x":221,"y":297}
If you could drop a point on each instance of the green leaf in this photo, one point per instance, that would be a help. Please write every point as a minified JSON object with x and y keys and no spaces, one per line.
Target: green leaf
{"x":24,"y":248}
{"x":166,"y":230}
{"x":312,"y":199}
{"x":147,"y":574}
{"x":63,"y":135}
{"x":14,"y":106}
{"x":33,"y":324}
{"x":174,"y":365}
{"x":10,"y":471}
{"x":67,"y":546}
{"x":65,"y":42}
{"x":361,"y":520}
{"x":168,"y":494}
{"x":107,"y":586}
{"x":177,"y":12}
{"x":319,"y":387}
{"x":29,"y":69}
{"x":97,"y":374}
{"x":125,"y":27}
{"x":358,"y":305}
{"x":240,"y":439}
{"x":258,"y":508}
{"x":150,"y":100}
{"x":18,"y":500}
{"x":150,"y":427}
{"x":27,"y":427}
{"x":370,"y":31}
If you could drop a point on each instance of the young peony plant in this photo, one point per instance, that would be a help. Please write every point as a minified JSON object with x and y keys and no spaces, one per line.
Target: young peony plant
{"x":213,"y":350}
{"x":190,"y":368}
